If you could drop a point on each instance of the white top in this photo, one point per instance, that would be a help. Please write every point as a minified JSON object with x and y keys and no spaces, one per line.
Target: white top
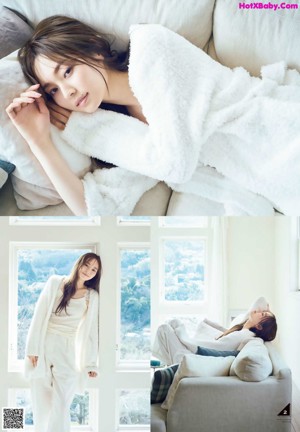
{"x":65,"y":323}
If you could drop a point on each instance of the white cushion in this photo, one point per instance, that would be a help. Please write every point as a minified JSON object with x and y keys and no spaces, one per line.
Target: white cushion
{"x":32,"y":186}
{"x":191,"y":18}
{"x":193,"y":365}
{"x":253,"y":38}
{"x":205,"y":331}
{"x":253,"y":362}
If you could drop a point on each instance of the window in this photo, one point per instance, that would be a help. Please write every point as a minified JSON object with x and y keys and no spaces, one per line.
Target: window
{"x":187,"y":270}
{"x":184,"y":272}
{"x":80,"y":408}
{"x":134,"y":409}
{"x":133,"y":220}
{"x":32,"y":264}
{"x":134,"y":345}
{"x":55,"y":220}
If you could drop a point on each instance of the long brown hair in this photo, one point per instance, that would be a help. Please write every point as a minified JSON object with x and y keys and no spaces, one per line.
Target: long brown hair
{"x":267,"y":332}
{"x":70,"y":284}
{"x":62,"y":38}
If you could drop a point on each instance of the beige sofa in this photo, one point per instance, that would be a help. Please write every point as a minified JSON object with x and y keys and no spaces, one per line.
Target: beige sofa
{"x":228,"y":404}
{"x":249,"y":38}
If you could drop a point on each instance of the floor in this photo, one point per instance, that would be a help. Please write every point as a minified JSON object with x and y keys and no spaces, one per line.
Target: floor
{"x":296,"y":410}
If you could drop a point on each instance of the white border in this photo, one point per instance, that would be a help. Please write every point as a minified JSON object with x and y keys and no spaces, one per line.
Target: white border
{"x":54,"y":221}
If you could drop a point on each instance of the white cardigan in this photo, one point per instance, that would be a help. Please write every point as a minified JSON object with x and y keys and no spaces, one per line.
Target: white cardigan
{"x":86,"y":340}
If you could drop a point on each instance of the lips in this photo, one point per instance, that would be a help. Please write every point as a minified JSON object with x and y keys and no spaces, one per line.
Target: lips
{"x":82,"y":100}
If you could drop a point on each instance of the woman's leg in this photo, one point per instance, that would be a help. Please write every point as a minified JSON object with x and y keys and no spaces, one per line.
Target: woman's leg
{"x":61,"y":353}
{"x":167,"y":347}
{"x":41,"y":397}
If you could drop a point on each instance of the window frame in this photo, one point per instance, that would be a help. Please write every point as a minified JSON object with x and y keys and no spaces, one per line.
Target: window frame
{"x":55,"y":221}
{"x":15,"y":365}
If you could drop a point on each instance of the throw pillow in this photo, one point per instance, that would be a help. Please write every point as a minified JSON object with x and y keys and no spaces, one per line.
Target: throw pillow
{"x":14,"y":31}
{"x":5,"y":169}
{"x":215,"y":353}
{"x":193,"y":365}
{"x":162,"y":381}
{"x":253,"y":362}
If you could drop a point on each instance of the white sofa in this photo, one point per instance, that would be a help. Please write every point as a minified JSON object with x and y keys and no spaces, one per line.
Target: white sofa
{"x":235,"y":37}
{"x":228,"y":404}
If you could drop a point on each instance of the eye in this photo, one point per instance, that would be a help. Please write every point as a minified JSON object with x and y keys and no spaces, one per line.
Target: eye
{"x":68,"y":71}
{"x":52,"y":91}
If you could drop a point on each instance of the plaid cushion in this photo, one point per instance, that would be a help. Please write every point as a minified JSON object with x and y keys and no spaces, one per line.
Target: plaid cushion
{"x":162,"y":381}
{"x":215,"y":353}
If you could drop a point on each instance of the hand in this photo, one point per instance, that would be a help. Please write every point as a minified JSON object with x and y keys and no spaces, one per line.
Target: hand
{"x":33,"y":360}
{"x":59,"y":116}
{"x":29,"y":114}
{"x":92,"y":374}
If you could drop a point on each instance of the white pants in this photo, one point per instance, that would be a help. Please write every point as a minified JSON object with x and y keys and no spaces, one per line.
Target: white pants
{"x":167,"y":346}
{"x":53,"y":394}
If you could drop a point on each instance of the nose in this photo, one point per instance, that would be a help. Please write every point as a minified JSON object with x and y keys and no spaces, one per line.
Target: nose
{"x":68,"y":91}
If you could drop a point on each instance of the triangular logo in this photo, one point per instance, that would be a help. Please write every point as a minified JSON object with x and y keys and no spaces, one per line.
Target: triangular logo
{"x":286,"y":411}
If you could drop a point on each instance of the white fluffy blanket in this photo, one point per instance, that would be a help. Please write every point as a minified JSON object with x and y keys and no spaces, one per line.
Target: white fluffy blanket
{"x":213,"y":131}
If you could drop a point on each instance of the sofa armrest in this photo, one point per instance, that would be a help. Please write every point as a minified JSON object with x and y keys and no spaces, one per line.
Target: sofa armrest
{"x":229,"y":404}
{"x":280,"y":368}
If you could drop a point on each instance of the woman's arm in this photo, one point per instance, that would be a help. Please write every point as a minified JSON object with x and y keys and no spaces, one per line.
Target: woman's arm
{"x":31,"y":117}
{"x":37,"y":322}
{"x":67,"y":184}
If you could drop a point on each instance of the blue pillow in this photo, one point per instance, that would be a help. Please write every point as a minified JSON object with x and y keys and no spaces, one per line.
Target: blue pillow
{"x":215,"y":353}
{"x":5,"y":169}
{"x":162,"y":381}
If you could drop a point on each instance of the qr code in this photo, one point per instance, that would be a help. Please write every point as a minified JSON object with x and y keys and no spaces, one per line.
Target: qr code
{"x":13,"y":418}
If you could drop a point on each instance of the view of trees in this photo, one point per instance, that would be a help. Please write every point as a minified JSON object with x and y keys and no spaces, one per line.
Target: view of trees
{"x":184,"y":270}
{"x":135,"y":304}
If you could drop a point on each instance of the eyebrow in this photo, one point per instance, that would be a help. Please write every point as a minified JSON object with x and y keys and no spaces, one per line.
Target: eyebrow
{"x":56,"y":70}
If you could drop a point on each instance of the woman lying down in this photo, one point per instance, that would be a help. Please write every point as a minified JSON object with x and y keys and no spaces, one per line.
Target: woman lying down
{"x":201,"y":127}
{"x":172,"y":342}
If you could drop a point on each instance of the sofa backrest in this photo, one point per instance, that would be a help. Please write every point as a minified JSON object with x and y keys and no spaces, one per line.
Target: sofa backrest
{"x":190,"y":18}
{"x":255,"y":37}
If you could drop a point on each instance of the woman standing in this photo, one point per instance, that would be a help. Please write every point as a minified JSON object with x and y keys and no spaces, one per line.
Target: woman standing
{"x":62,"y":343}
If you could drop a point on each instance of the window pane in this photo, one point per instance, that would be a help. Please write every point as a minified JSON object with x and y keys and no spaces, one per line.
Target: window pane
{"x":79,"y":410}
{"x":184,"y":221}
{"x":134,"y":407}
{"x":184,"y":270}
{"x":34,"y":268}
{"x":135,"y":304}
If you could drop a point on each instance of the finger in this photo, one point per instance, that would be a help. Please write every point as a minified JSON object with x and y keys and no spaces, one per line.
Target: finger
{"x":21,"y":100}
{"x":11,"y":110}
{"x":32,"y":93}
{"x":34,"y":86}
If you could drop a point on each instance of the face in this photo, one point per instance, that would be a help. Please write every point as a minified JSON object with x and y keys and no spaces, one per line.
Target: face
{"x":77,"y":88}
{"x":257,"y":316}
{"x":88,"y":270}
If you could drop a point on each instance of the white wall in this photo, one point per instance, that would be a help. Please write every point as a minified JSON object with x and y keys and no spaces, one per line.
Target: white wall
{"x":262,"y":262}
{"x":287,"y":298}
{"x":250,"y":251}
